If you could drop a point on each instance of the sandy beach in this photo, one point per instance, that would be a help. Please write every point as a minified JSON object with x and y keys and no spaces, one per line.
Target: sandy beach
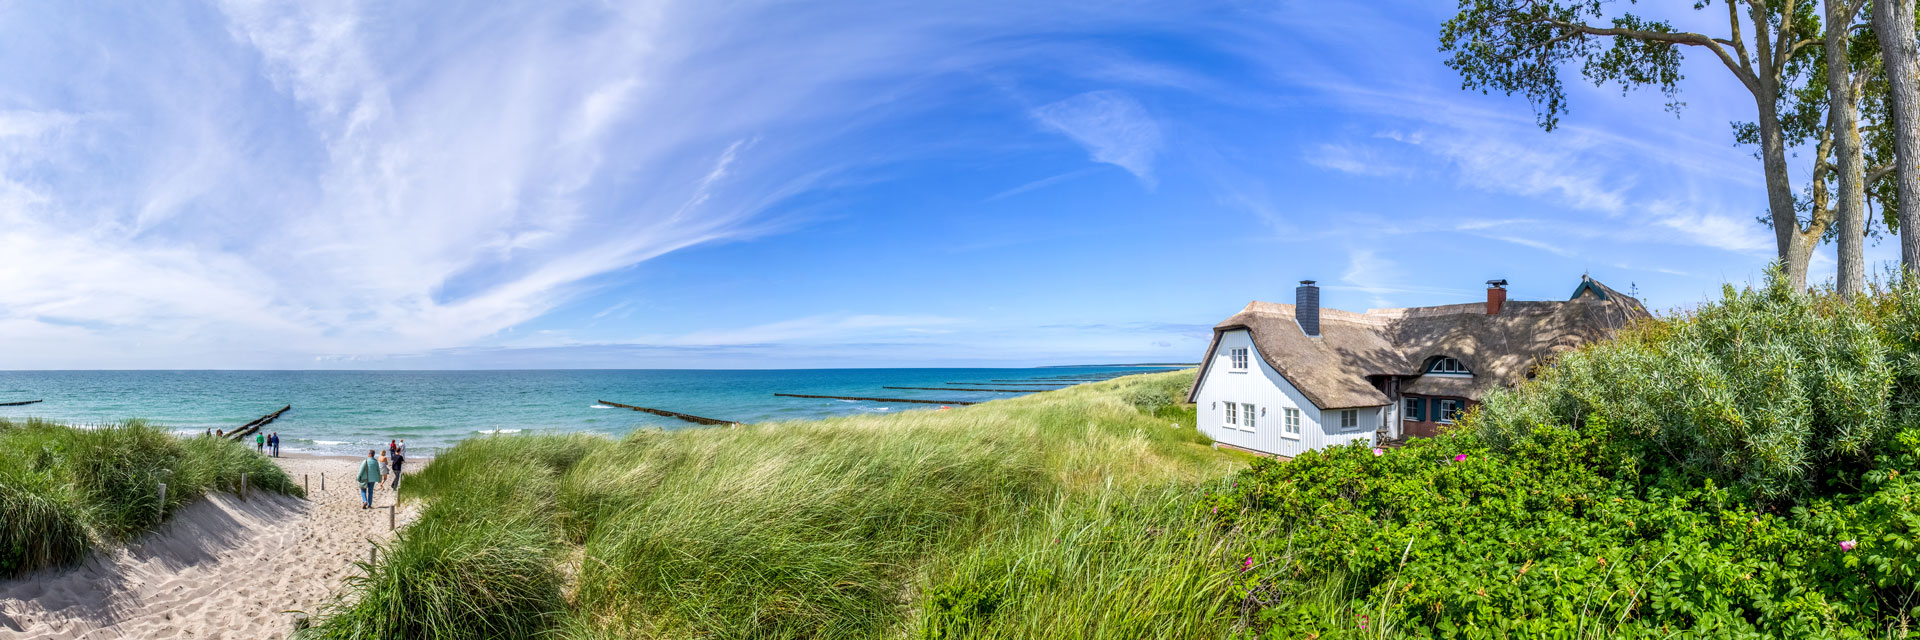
{"x":221,"y":568}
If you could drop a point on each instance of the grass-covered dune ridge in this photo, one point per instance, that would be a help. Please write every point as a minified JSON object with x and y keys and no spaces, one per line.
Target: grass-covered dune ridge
{"x":1744,"y":470}
{"x":1061,"y":513}
{"x":65,"y":490}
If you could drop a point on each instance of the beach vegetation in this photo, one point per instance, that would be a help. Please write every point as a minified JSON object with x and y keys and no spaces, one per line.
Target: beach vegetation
{"x":66,"y":490}
{"x":1061,"y":513}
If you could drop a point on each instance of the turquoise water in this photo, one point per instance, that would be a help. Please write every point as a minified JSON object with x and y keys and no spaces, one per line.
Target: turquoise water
{"x":347,"y":411}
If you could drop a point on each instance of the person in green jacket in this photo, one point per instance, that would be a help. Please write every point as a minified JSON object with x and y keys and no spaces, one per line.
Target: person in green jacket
{"x":369,"y":475}
{"x":259,"y":441}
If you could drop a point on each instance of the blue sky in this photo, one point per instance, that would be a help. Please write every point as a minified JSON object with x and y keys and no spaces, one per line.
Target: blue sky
{"x":338,"y":184}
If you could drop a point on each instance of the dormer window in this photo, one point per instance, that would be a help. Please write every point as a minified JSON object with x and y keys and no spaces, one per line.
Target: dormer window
{"x":1239,"y":357}
{"x":1448,"y":366}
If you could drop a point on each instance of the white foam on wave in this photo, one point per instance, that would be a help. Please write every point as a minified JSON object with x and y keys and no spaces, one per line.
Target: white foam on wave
{"x":328,"y":442}
{"x":599,"y":406}
{"x":498,"y":431}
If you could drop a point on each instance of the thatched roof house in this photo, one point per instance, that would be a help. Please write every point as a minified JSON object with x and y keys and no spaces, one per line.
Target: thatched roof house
{"x":1337,"y":376}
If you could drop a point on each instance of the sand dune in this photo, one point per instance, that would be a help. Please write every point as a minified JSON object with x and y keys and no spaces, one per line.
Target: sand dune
{"x":222,"y":568}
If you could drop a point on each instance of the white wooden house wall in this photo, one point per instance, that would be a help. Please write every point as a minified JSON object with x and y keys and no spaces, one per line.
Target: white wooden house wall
{"x":1263,"y":387}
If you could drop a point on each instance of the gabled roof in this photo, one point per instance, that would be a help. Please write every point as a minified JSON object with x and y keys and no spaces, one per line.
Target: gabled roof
{"x":1333,"y":370}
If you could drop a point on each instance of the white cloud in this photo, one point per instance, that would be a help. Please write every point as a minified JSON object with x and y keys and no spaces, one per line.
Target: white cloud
{"x":1113,"y":127}
{"x":353,"y":179}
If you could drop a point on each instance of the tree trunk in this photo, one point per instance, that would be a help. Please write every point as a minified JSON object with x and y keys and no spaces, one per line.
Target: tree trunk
{"x":1893,"y":23}
{"x":1793,"y":245}
{"x":1843,"y":121}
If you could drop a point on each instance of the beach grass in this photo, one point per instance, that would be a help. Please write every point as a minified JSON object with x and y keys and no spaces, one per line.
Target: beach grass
{"x":1059,"y":513}
{"x":66,"y":490}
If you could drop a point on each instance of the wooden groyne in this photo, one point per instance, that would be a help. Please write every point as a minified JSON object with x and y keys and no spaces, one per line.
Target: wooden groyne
{"x":953,"y":389}
{"x":671,"y":414}
{"x":248,"y":428}
{"x":20,"y":403}
{"x":802,"y":395}
{"x":1016,"y":384}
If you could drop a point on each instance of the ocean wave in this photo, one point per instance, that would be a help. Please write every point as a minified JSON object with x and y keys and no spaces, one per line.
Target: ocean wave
{"x":599,"y":406}
{"x":497,"y":431}
{"x":328,"y":442}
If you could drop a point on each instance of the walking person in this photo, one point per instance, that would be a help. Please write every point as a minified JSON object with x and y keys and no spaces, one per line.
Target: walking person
{"x":384,"y":463}
{"x":369,"y":478}
{"x":399,"y":458}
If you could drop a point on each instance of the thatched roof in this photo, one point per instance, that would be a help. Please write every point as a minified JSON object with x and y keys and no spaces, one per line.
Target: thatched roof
{"x":1333,"y":370}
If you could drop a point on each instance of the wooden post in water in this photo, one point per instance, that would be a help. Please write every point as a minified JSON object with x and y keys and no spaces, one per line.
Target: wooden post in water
{"x":163,"y":503}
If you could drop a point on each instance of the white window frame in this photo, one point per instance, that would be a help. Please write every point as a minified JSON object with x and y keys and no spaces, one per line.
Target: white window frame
{"x":1349,"y":418}
{"x":1448,"y":410}
{"x":1448,"y":366}
{"x":1247,"y":411}
{"x":1233,"y":412}
{"x":1290,"y":424}
{"x":1237,"y":359}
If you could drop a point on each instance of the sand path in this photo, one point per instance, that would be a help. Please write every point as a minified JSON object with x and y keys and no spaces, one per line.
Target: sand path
{"x":221,"y":568}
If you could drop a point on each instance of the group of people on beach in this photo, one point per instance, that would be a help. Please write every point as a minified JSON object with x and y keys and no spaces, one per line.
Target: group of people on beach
{"x":267,"y":442}
{"x":374,"y":470}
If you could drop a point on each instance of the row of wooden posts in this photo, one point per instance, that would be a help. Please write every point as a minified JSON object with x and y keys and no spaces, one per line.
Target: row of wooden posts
{"x":242,"y":492}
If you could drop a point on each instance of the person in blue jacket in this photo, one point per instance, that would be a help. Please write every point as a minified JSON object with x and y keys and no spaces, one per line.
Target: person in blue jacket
{"x":369,"y":476}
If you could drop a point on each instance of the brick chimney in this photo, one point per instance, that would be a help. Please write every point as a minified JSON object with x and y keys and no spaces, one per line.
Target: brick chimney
{"x":1496,"y":296}
{"x":1306,"y":308}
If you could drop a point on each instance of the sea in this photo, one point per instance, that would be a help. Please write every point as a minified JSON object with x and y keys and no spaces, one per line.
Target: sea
{"x":344,"y":412}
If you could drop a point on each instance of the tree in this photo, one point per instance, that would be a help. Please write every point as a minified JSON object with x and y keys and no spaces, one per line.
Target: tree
{"x":1843,"y":121}
{"x":1893,"y":25}
{"x":1520,"y":46}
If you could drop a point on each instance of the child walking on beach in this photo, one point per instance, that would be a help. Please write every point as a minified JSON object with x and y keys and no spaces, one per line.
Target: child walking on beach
{"x":369,"y":477}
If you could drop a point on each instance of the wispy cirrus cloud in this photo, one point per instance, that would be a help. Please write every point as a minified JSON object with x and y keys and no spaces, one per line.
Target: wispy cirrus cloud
{"x":1113,"y":126}
{"x":310,"y":179}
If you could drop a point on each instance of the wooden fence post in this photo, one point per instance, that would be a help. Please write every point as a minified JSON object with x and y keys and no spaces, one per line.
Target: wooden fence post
{"x":243,"y":485}
{"x":390,"y":516}
{"x":163,"y":503}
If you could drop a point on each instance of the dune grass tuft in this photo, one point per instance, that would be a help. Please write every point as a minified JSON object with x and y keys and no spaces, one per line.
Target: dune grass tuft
{"x":65,"y":490}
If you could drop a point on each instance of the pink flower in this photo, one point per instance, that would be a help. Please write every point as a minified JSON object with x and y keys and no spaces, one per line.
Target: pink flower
{"x":1378,"y":452}
{"x":1246,"y":565}
{"x":1460,"y":458}
{"x":1848,"y":545}
{"x":1216,"y":511}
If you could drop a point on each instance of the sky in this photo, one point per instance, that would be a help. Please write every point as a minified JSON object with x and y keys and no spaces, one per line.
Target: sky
{"x":336,"y":184}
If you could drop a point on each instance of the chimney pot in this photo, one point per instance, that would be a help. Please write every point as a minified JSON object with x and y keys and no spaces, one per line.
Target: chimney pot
{"x":1306,"y":308}
{"x":1496,"y":296}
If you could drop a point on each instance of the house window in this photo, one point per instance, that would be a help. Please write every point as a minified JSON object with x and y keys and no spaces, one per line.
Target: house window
{"x":1291,"y":427}
{"x":1350,"y":418}
{"x":1233,"y":414}
{"x":1417,"y":409}
{"x":1446,"y":410}
{"x":1239,"y":355}
{"x":1448,"y":365}
{"x":1247,"y":422}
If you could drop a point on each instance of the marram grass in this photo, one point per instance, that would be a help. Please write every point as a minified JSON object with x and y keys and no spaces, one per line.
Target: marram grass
{"x":65,"y":490}
{"x":1061,"y":514}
